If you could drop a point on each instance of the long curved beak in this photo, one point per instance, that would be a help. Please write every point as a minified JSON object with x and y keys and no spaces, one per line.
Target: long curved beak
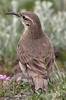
{"x":12,"y":13}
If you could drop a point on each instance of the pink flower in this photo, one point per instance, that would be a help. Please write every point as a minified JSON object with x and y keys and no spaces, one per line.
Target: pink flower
{"x":7,"y":78}
{"x":4,"y":77}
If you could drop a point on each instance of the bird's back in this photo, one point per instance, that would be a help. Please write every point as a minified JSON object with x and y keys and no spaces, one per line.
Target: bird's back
{"x":35,"y":47}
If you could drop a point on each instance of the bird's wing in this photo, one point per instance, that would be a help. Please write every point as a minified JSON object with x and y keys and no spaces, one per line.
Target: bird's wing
{"x":42,"y":65}
{"x":37,"y":64}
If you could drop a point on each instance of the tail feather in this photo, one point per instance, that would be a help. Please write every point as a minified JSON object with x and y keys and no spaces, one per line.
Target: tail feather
{"x":40,"y":83}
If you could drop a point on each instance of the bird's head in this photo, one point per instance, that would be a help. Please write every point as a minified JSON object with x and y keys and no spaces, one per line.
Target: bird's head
{"x":27,"y":18}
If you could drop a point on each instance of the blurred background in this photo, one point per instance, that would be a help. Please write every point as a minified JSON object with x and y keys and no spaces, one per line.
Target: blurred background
{"x":52,"y":14}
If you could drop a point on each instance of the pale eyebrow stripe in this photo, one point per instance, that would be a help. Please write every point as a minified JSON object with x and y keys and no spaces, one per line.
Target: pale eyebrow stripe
{"x":29,"y":18}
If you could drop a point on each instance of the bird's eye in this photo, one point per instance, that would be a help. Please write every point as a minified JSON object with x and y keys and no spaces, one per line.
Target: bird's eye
{"x":24,"y":18}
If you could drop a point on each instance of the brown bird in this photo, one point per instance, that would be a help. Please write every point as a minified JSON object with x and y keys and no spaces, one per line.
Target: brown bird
{"x":35,"y":52}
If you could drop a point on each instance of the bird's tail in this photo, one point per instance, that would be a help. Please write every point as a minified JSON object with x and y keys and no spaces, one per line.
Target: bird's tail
{"x":40,"y":83}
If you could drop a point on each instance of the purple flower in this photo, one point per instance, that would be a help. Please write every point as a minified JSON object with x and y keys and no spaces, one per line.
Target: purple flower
{"x":4,"y":77}
{"x":7,"y":78}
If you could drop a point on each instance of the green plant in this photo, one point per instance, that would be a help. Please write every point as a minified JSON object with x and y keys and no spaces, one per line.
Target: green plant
{"x":54,"y":24}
